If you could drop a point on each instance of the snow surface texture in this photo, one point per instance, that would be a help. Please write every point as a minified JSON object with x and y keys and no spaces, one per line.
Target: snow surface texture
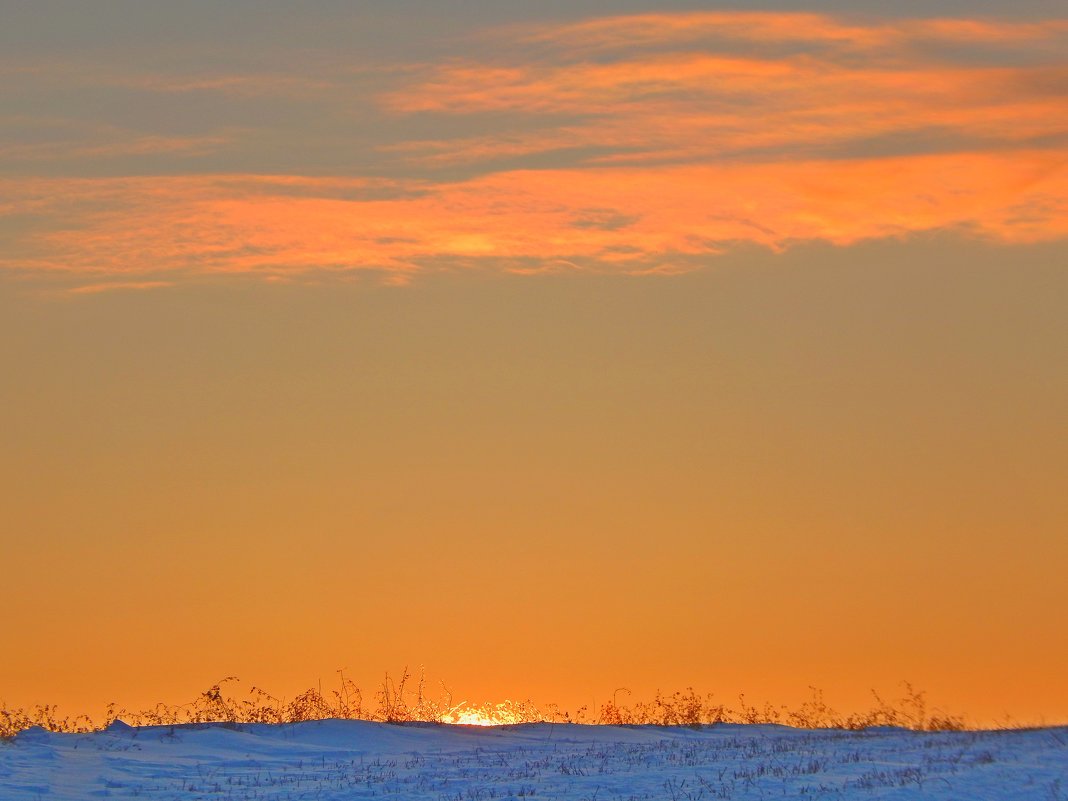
{"x":337,"y":759}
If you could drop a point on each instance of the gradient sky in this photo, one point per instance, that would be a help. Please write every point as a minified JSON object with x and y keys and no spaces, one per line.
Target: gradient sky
{"x":556,"y":346}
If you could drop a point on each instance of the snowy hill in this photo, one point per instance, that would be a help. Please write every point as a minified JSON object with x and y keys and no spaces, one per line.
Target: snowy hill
{"x":353,"y":760}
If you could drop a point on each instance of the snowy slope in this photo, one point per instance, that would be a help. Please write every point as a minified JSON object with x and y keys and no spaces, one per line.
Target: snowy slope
{"x":354,"y":760}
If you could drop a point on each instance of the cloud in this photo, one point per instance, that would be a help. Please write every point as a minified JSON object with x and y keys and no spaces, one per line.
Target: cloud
{"x":773,"y":35}
{"x":66,"y":74}
{"x":112,"y":286}
{"x":109,"y":144}
{"x":714,"y":86}
{"x":610,"y":219}
{"x":641,"y":144}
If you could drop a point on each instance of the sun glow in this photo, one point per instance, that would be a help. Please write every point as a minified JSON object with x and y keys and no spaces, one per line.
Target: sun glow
{"x":506,"y":713}
{"x":472,"y":718}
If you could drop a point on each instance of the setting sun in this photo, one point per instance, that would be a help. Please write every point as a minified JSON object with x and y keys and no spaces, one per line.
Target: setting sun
{"x":472,"y":718}
{"x":505,"y":713}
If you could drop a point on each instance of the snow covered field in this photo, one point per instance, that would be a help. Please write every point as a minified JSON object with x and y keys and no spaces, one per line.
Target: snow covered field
{"x":353,"y":760}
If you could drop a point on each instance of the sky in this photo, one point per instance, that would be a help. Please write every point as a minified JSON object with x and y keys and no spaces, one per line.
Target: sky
{"x":557,"y":347}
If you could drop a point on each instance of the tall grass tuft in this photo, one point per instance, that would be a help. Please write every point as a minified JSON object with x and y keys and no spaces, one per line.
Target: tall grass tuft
{"x":397,"y":702}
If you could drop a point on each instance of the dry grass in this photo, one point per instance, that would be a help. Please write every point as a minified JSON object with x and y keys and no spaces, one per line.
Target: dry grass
{"x":397,"y":702}
{"x":690,"y":709}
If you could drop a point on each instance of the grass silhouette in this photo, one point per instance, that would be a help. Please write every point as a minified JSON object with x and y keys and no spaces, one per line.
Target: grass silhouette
{"x":396,"y":701}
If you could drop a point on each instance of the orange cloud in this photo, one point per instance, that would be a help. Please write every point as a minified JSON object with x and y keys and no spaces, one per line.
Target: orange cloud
{"x":655,"y":87}
{"x":634,"y":219}
{"x":112,"y":286}
{"x":656,"y":29}
{"x":598,"y":35}
{"x":671,"y":136}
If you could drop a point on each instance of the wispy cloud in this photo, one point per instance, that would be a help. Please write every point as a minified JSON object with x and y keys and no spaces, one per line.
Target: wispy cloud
{"x":639,"y":144}
{"x":117,"y":144}
{"x":69,"y":74}
{"x":633,"y":219}
{"x":712,"y":86}
{"x":113,"y":286}
{"x":657,"y":30}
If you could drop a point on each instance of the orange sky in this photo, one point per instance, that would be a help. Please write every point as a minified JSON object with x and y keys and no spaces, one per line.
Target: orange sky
{"x":559,"y":352}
